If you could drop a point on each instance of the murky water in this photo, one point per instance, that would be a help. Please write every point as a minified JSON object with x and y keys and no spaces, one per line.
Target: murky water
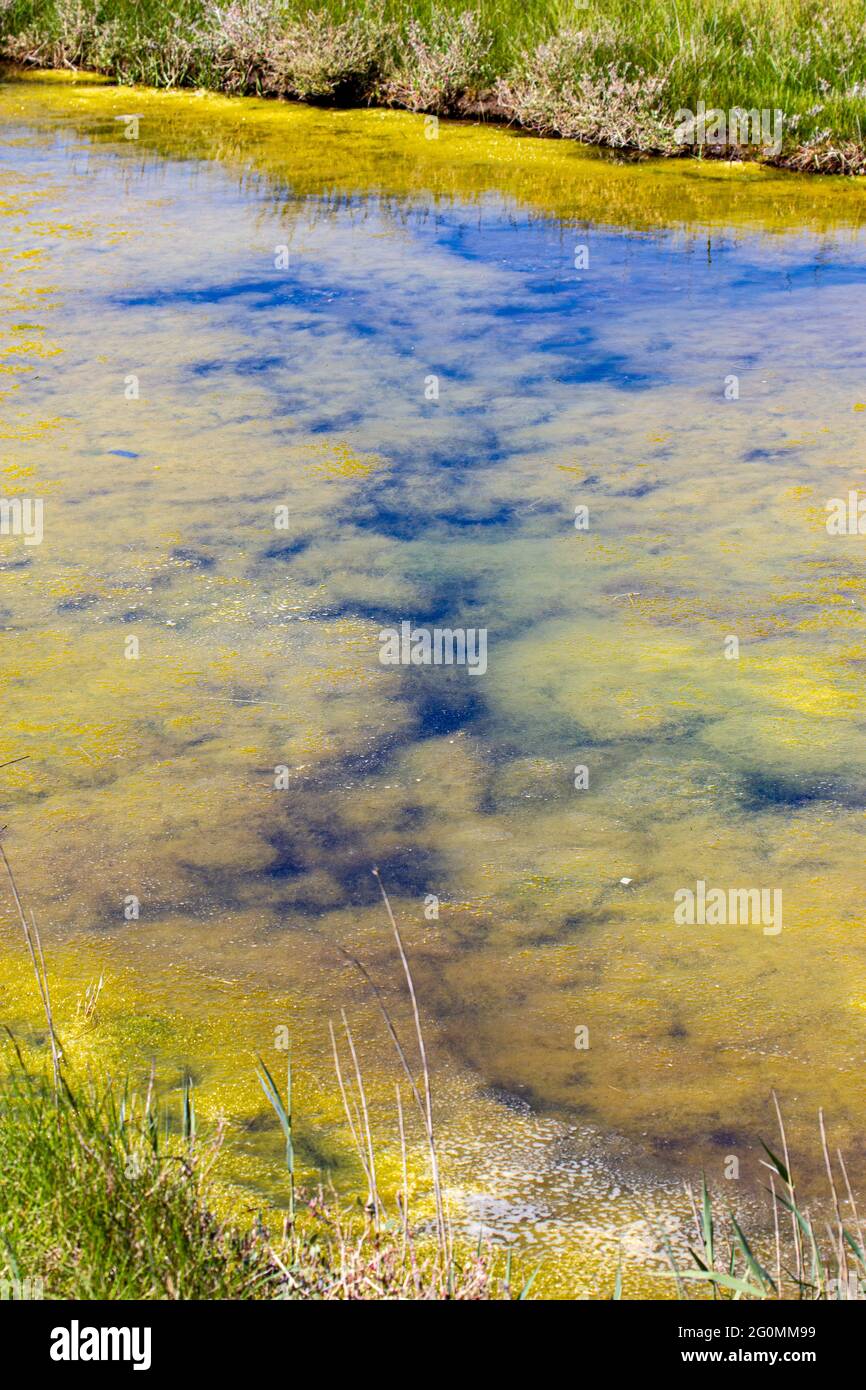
{"x":241,"y":310}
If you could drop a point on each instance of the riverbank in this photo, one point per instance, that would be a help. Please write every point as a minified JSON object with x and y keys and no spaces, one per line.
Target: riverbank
{"x":115,"y":1186}
{"x":110,"y":1194}
{"x":110,"y":1187}
{"x":786,"y":87}
{"x":113,"y":1191}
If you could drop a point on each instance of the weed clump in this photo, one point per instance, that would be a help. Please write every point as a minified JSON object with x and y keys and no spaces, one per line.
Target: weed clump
{"x":622,"y":78}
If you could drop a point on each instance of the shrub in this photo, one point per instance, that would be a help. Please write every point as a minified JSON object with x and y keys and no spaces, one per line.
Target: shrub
{"x":442,"y":64}
{"x":320,"y":58}
{"x":563,"y":90}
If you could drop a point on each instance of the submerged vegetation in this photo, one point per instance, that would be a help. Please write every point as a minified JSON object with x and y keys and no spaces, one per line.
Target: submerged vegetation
{"x":102,"y":1169}
{"x":806,"y":1261}
{"x":601,"y":71}
{"x":108,"y":1193}
{"x":111,"y":1194}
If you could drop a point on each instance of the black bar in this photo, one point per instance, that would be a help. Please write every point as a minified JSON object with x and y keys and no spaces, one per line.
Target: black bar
{"x":240,"y":1339}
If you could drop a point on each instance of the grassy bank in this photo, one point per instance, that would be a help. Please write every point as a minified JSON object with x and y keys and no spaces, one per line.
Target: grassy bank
{"x":108,"y":1195}
{"x":605,"y":71}
{"x":113,"y":1190}
{"x":109,"y":1191}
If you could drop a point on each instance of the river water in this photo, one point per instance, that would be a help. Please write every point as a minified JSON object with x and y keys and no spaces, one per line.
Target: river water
{"x":285,"y":378}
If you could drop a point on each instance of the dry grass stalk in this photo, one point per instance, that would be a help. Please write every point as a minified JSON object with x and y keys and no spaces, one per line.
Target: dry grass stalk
{"x":31,"y":935}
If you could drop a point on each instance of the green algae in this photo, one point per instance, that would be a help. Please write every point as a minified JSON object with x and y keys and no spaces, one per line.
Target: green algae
{"x":154,"y":777}
{"x":340,"y":154}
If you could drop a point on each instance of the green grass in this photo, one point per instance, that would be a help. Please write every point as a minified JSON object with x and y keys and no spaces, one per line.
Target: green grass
{"x":107,"y":1195}
{"x":100,"y":1199}
{"x":608,"y":71}
{"x":807,"y":1259}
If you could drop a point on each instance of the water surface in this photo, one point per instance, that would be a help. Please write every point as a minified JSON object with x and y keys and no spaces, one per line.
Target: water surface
{"x":304,"y":387}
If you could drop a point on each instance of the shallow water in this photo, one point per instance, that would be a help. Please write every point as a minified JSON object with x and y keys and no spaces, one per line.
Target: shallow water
{"x":258,"y":648}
